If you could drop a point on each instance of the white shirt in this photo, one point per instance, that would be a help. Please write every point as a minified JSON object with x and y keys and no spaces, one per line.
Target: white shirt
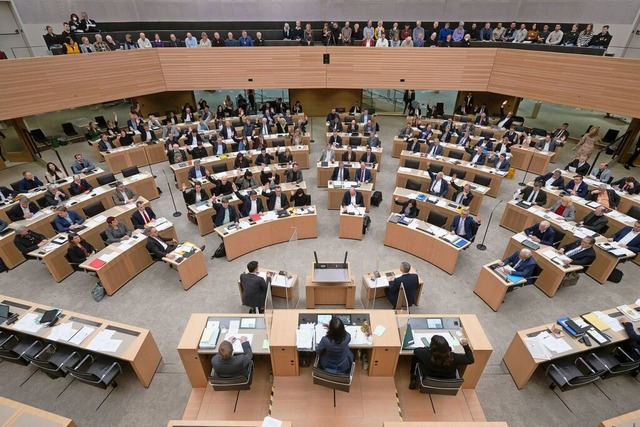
{"x":353,"y":200}
{"x":124,"y":196}
{"x":149,"y":138}
{"x":198,"y":197}
{"x":572,"y":252}
{"x":459,"y":198}
{"x":436,"y":186}
{"x":254,"y":207}
{"x":188,"y":118}
{"x":532,"y":196}
{"x":499,"y":164}
{"x":461,"y":227}
{"x":194,"y":140}
{"x":163,"y":244}
{"x":278,"y":204}
{"x":628,"y":237}
{"x":340,"y":174}
{"x":502,"y":122}
{"x":475,"y":158}
{"x":549,"y":182}
{"x":547,"y":146}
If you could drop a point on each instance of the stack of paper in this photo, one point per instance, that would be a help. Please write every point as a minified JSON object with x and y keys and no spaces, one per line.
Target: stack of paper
{"x":271,"y":422}
{"x":609,"y":321}
{"x":629,"y":312}
{"x":304,"y":338}
{"x":380,"y":282}
{"x":237,"y":345}
{"x":62,"y":332}
{"x":537,"y":348}
{"x":104,"y":342}
{"x":28,"y":323}
{"x":557,"y":345}
{"x":81,"y":335}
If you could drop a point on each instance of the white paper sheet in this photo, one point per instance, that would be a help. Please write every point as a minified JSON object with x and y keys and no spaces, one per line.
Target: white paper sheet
{"x":234,"y":325}
{"x":271,"y":422}
{"x":237,"y":345}
{"x":537,"y":349}
{"x":28,"y":323}
{"x":81,"y":335}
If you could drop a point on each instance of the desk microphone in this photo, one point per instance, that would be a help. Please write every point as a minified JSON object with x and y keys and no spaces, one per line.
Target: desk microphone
{"x":482,"y":246}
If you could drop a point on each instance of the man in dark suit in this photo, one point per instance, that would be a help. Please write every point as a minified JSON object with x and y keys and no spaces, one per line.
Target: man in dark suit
{"x":349,"y":156}
{"x":535,"y":194}
{"x":66,"y":220}
{"x":159,"y":246}
{"x":353,"y":198}
{"x":27,"y":240}
{"x":195,"y":194}
{"x":606,"y":197}
{"x":595,"y":221}
{"x":505,"y":119}
{"x":294,"y":174}
{"x":105,"y":144}
{"x":541,"y":232}
{"x":579,"y":252}
{"x":251,"y":204}
{"x":264,"y":158}
{"x":142,"y":216}
{"x":335,"y":139}
{"x":577,"y":187}
{"x":6,"y":193}
{"x":481,"y":120}
{"x":340,"y":173}
{"x":438,"y":186}
{"x":147,"y":135}
{"x":123,"y":195}
{"x":365,"y":116}
{"x":224,"y":213}
{"x":368,"y":157}
{"x":225,"y":365}
{"x":463,"y":195}
{"x":561,"y":134}
{"x":229,"y":132}
{"x":23,"y":210}
{"x":363,"y":174}
{"x":352,"y":127}
{"x":332,"y":116}
{"x":478,"y":157}
{"x":548,"y":144}
{"x":54,"y":195}
{"x":435,"y":149}
{"x":552,"y":179}
{"x":124,"y":139}
{"x":28,"y":182}
{"x":500,"y":162}
{"x":192,"y":137}
{"x":462,"y":224}
{"x":579,"y":166}
{"x":277,"y":200}
{"x":79,"y":186}
{"x":485,"y":143}
{"x":628,"y":237}
{"x":409,"y":280}
{"x":627,"y":184}
{"x":413,"y":144}
{"x":197,"y":171}
{"x":197,"y":152}
{"x":254,"y":288}
{"x":218,"y":146}
{"x":520,"y":264}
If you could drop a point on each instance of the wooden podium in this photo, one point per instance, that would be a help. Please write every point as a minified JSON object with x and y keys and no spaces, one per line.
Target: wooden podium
{"x":330,"y":293}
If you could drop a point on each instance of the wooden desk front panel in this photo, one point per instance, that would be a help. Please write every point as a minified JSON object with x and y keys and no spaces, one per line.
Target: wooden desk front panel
{"x":330,"y":293}
{"x":351,"y":226}
{"x":335,"y":196}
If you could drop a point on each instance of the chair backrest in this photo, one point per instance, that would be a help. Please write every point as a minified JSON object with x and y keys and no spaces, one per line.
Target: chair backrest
{"x":634,"y":212}
{"x":412,"y":184}
{"x":459,"y":173}
{"x":519,"y":128}
{"x":130,"y":171}
{"x":517,"y":120}
{"x":107,"y":178}
{"x":38,"y":135}
{"x":278,"y":142}
{"x":53,"y":225}
{"x":559,"y":235}
{"x":486,"y":134}
{"x":538,"y":131}
{"x":341,"y":382}
{"x":42,"y":202}
{"x":103,"y":236}
{"x":437,"y":219}
{"x":604,"y":230}
{"x":220,"y":167}
{"x":100,"y":121}
{"x":69,"y":130}
{"x":611,"y":135}
{"x":431,"y":385}
{"x":413,"y":164}
{"x":464,"y":119}
{"x":537,"y":271}
{"x":456,"y":154}
{"x":354,"y":141}
{"x":240,"y":382}
{"x":93,"y":209}
{"x":474,"y":230}
{"x":98,"y":374}
{"x":482,"y":180}
{"x":15,"y":185}
{"x":435,"y":168}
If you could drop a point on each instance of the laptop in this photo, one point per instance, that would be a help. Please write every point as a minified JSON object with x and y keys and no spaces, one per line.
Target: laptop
{"x":5,"y":313}
{"x":531,"y":245}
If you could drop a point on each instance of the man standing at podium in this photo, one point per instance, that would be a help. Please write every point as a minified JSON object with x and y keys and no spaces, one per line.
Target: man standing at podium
{"x":254,"y":288}
{"x":408,"y":280}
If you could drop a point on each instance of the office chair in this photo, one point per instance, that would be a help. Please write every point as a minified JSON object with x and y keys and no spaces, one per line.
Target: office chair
{"x":436,"y":219}
{"x":354,"y":141}
{"x":103,"y":236}
{"x":15,"y":185}
{"x":412,"y":184}
{"x":455,"y":154}
{"x":538,"y":132}
{"x":278,"y":143}
{"x":464,"y":119}
{"x":101,"y":373}
{"x":130,"y":171}
{"x":460,"y":174}
{"x":482,"y":180}
{"x":53,"y":225}
{"x":614,"y":363}
{"x":167,"y":112}
{"x":447,"y":116}
{"x":486,"y":134}
{"x":54,"y":361}
{"x":439,"y":108}
{"x":568,"y":375}
{"x":237,"y":383}
{"x":558,"y":236}
{"x":107,"y":178}
{"x":71,"y":133}
{"x":39,"y":136}
{"x":517,"y":120}
{"x":101,"y":122}
{"x":340,"y":382}
{"x":155,"y":113}
{"x":604,"y":229}
{"x":74,"y":265}
{"x":41,"y":202}
{"x":412,"y":164}
{"x":435,"y":168}
{"x":519,"y":128}
{"x":93,"y":209}
{"x":474,"y":231}
{"x":222,"y":167}
{"x":14,"y":349}
{"x":610,"y":136}
{"x":634,"y":212}
{"x":440,"y":386}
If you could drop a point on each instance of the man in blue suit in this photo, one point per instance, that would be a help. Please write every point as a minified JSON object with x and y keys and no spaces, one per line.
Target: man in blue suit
{"x":552,"y":179}
{"x":365,"y":116}
{"x":500,"y":162}
{"x":462,"y":224}
{"x":363,"y":174}
{"x":410,"y":282}
{"x":435,"y":149}
{"x":196,"y":171}
{"x":28,"y":182}
{"x":628,"y":237}
{"x":520,"y":264}
{"x":541,"y":232}
{"x":577,"y":187}
{"x":438,"y":186}
{"x":66,"y":220}
{"x":478,"y":157}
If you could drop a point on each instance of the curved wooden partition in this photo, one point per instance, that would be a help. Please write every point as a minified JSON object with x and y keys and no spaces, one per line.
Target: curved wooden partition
{"x":38,"y":85}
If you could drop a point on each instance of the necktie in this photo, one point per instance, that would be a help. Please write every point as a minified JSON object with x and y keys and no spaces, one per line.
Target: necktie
{"x":145,"y":216}
{"x":533,"y":196}
{"x":340,"y":175}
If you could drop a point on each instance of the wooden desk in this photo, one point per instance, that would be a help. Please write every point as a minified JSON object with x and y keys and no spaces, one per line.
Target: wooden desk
{"x":360,"y":150}
{"x":138,"y":348}
{"x":249,"y":237}
{"x":429,"y":247}
{"x":471,"y":329}
{"x":629,"y":419}
{"x":197,"y":361}
{"x":15,"y":414}
{"x":346,"y":137}
{"x":351,"y":225}
{"x":448,"y":208}
{"x":478,"y":191}
{"x":530,"y":159}
{"x":191,"y":270}
{"x":492,"y":288}
{"x":210,"y":423}
{"x":281,"y":286}
{"x":448,"y":164}
{"x":382,"y":351}
{"x":443,"y":424}
{"x":134,"y":155}
{"x":337,"y":190}
{"x":330,"y":293}
{"x":9,"y":253}
{"x":522,"y":365}
{"x":325,"y":172}
{"x":369,"y":292}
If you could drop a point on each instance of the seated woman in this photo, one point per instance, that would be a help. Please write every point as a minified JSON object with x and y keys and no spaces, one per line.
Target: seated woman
{"x":116,"y":231}
{"x":246,"y":181}
{"x":564,"y":208}
{"x":335,"y":355}
{"x":298,"y":198}
{"x":70,"y":46}
{"x":79,"y":249}
{"x":241,"y":161}
{"x":53,"y":173}
{"x":285,"y":156}
{"x":409,"y":208}
{"x":438,"y":360}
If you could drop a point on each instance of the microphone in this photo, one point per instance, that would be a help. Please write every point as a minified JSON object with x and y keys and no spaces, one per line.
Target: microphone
{"x":481,"y":246}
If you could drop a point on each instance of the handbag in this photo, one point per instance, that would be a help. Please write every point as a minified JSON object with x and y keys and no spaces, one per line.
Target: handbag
{"x":98,"y":292}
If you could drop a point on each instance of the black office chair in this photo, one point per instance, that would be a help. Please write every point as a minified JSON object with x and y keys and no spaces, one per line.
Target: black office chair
{"x":167,"y":112}
{"x":454,"y":154}
{"x":634,"y":212}
{"x":15,"y":185}
{"x":278,"y":142}
{"x":447,"y":116}
{"x":103,"y":236}
{"x":39,"y":136}
{"x":71,"y":133}
{"x":354,"y":141}
{"x":613,"y":363}
{"x":341,"y":382}
{"x":437,"y":219}
{"x":221,"y":167}
{"x":412,"y":164}
{"x":155,"y":113}
{"x":519,"y":128}
{"x":237,"y":383}
{"x":474,"y":231}
{"x":54,"y":361}
{"x":517,"y":120}
{"x":130,"y":171}
{"x":482,"y":180}
{"x":107,"y":178}
{"x":14,"y":349}
{"x":460,"y":174}
{"x":611,"y":135}
{"x":101,"y":122}
{"x":412,"y":184}
{"x":486,"y":134}
{"x":604,"y":230}
{"x":439,"y":386}
{"x":93,"y":209}
{"x":559,"y":235}
{"x":464,"y":119}
{"x":568,"y":375}
{"x":435,"y":168}
{"x":610,"y":180}
{"x":53,"y":225}
{"x":42,"y":202}
{"x":538,"y":132}
{"x":74,"y":265}
{"x":100,"y":373}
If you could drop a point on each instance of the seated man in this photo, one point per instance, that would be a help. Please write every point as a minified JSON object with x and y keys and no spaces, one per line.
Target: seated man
{"x":374,"y":140}
{"x":192,"y":137}
{"x":123,"y":195}
{"x":218,"y":146}
{"x":579,"y":166}
{"x":485,"y":143}
{"x":197,"y":152}
{"x":579,"y":252}
{"x":628,"y":185}
{"x":552,"y":179}
{"x":462,"y":224}
{"x":277,"y":200}
{"x":176,"y":154}
{"x":148,"y":136}
{"x":410,"y":282}
{"x":435,"y":149}
{"x":104,"y":144}
{"x":363,"y":175}
{"x":478,"y":157}
{"x":602,"y":174}
{"x":142,"y":216}
{"x":438,"y":186}
{"x":125,"y":138}
{"x":607,"y":198}
{"x":577,"y":187}
{"x":221,"y":187}
{"x":368,"y":157}
{"x":254,"y":288}
{"x":595,"y":221}
{"x":352,"y":127}
{"x":353,"y":198}
{"x":548,"y":144}
{"x":413,"y":144}
{"x":251,"y":204}
{"x":463,"y":195}
{"x":79,"y":186}
{"x":294,"y":174}
{"x":6,"y":194}
{"x":23,"y":210}
{"x":335,"y":139}
{"x":327,"y":154}
{"x":628,"y":237}
{"x":195,"y":194}
{"x":535,"y":194}
{"x":246,"y":180}
{"x":27,"y":241}
{"x":80,"y":165}
{"x":499,"y":162}
{"x":224,"y":213}
{"x":225,"y":365}
{"x":159,"y":246}
{"x":349,"y":156}
{"x":197,"y":171}
{"x":520,"y":264}
{"x":66,"y":220}
{"x":340,"y":173}
{"x":264,"y":158}
{"x":28,"y":183}
{"x":54,"y":195}
{"x":541,"y":232}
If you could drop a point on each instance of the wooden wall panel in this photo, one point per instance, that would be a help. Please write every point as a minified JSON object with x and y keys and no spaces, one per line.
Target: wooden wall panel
{"x":39,"y":85}
{"x":318,"y":102}
{"x":592,"y":82}
{"x":163,"y":101}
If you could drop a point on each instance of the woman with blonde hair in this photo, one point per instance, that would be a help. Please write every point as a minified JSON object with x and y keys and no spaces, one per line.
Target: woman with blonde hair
{"x":564,"y":207}
{"x":585,"y":36}
{"x":588,"y":142}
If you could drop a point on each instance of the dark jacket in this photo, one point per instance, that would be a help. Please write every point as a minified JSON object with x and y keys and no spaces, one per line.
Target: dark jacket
{"x":614,"y":199}
{"x":246,"y":208}
{"x":410,"y":282}
{"x":595,"y":223}
{"x":29,"y":242}
{"x":466,"y":200}
{"x":335,"y":357}
{"x":254,"y":290}
{"x":468,"y":231}
{"x":546,"y":238}
{"x":24,"y":185}
{"x":49,"y":197}
{"x":218,"y":218}
{"x":541,"y":198}
{"x":413,"y":211}
{"x":346,"y":199}
{"x":137,"y":219}
{"x":524,"y":269}
{"x":236,"y":366}
{"x":155,"y":248}
{"x":556,"y":183}
{"x":76,"y":189}
{"x":582,"y":170}
{"x":423,"y":356}
{"x":76,"y":255}
{"x":16,"y":214}
{"x":633,"y":245}
{"x":62,"y":225}
{"x":345,"y":174}
{"x":271,"y":202}
{"x":585,"y":257}
{"x":190,"y":195}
